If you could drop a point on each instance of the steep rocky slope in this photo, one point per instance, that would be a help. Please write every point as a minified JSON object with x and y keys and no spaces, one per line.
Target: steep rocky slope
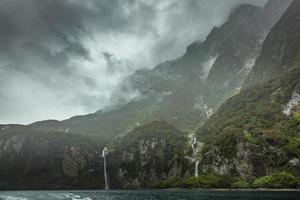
{"x":36,"y":160}
{"x":39,"y":160}
{"x":257,"y":131}
{"x":242,"y":38}
{"x":149,"y":153}
{"x":280,"y":49}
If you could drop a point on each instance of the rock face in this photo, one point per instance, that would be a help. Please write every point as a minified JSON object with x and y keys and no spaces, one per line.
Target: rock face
{"x":35,"y":160}
{"x":251,"y":135}
{"x":149,"y":153}
{"x":239,"y":43}
{"x":246,"y":160}
{"x":280,"y":48}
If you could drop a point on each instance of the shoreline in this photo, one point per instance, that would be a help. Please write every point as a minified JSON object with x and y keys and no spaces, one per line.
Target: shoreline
{"x":170,"y":189}
{"x":241,"y":189}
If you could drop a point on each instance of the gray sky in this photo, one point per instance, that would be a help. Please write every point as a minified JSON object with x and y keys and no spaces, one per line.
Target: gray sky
{"x":60,"y":58}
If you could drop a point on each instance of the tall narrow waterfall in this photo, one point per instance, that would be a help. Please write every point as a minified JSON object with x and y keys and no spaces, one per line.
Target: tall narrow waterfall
{"x":104,"y":153}
{"x":194,"y":143}
{"x":196,"y":169}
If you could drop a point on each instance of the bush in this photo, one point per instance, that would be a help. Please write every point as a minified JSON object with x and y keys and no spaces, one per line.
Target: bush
{"x":203,"y":181}
{"x":277,"y":180}
{"x":169,"y":183}
{"x":293,"y":147}
{"x":249,"y":138}
{"x":240,"y":183}
{"x":296,"y":114}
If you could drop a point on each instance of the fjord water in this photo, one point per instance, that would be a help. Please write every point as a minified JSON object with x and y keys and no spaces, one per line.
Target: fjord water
{"x":150,"y":195}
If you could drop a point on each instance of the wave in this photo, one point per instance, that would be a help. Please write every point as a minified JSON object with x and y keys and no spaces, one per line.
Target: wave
{"x":62,"y":196}
{"x":75,"y":197}
{"x":4,"y":197}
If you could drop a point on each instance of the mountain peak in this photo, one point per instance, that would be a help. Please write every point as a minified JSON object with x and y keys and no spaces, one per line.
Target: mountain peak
{"x":244,"y":10}
{"x":280,"y":48}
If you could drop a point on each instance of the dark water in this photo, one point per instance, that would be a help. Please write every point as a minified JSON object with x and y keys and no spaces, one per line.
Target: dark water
{"x":149,"y":195}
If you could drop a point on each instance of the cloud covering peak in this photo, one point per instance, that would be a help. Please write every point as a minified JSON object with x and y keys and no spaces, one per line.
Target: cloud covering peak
{"x":60,"y":58}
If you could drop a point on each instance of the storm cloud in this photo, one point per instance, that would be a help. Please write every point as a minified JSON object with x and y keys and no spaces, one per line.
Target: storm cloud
{"x":60,"y":58}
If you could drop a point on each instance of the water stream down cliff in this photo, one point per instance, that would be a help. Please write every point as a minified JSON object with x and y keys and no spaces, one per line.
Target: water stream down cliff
{"x":104,"y":153}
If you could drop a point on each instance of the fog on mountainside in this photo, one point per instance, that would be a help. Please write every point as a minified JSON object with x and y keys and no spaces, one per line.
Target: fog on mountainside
{"x":67,"y":57}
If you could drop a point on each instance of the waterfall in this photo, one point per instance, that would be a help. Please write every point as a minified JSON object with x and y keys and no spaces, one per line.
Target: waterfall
{"x":196,"y":169}
{"x":104,"y":153}
{"x":194,"y":143}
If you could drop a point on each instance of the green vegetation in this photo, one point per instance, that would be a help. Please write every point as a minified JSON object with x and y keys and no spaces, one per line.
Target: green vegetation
{"x":238,"y":182}
{"x":203,"y":181}
{"x":249,"y":138}
{"x":155,"y":130}
{"x":257,"y":110}
{"x":296,"y":114}
{"x":253,"y":124}
{"x":293,"y":147}
{"x":148,"y":153}
{"x":275,"y":180}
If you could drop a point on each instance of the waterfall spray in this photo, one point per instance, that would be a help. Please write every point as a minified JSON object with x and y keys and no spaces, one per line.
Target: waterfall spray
{"x":105,"y":151}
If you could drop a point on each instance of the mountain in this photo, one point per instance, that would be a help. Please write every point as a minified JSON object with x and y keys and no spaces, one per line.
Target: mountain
{"x":241,"y":41}
{"x":187,"y":90}
{"x":246,"y":72}
{"x":257,"y":132}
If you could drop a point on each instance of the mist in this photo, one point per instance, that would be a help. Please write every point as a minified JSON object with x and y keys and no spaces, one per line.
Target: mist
{"x":64,"y":58}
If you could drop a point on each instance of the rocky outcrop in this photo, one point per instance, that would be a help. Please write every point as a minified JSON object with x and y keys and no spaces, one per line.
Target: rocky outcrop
{"x":248,"y":160}
{"x":35,"y":160}
{"x":39,"y":160}
{"x":147,"y":154}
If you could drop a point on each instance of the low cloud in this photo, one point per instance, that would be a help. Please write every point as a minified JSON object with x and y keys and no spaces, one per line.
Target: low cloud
{"x":60,"y":58}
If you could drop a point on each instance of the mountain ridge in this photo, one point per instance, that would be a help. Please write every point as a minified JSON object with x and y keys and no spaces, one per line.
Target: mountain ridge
{"x":163,"y":94}
{"x":252,"y":129}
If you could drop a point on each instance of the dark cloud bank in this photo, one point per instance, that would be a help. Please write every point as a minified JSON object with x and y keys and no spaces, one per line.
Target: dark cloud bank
{"x":60,"y":58}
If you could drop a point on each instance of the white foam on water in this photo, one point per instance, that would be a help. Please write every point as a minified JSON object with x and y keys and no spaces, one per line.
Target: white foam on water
{"x":4,"y":197}
{"x":75,"y":197}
